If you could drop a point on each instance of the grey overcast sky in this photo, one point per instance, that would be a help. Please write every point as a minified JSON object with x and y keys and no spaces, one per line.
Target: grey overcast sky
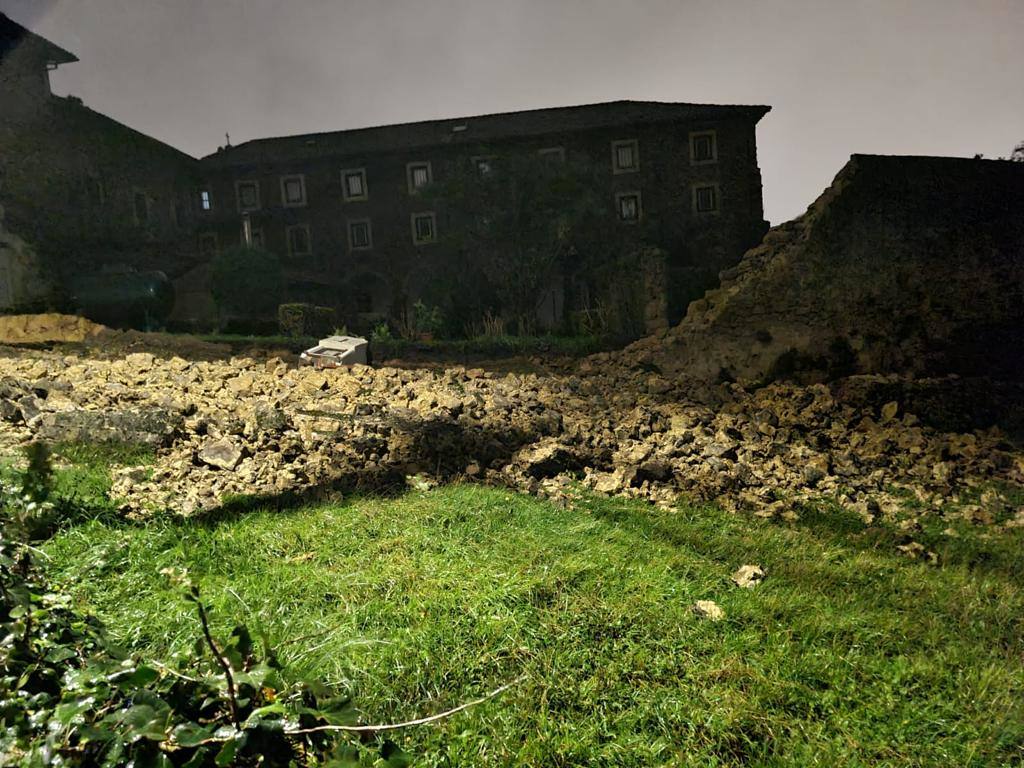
{"x":842,"y":76}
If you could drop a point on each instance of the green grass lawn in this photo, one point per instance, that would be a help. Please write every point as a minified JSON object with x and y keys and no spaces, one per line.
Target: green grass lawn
{"x":848,"y":654}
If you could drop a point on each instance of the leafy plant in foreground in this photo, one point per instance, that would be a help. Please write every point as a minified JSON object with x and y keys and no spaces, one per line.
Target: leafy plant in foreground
{"x":69,"y":697}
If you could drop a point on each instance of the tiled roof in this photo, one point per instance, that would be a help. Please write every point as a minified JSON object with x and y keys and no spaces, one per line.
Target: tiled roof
{"x":12,"y":35}
{"x":479,"y":130}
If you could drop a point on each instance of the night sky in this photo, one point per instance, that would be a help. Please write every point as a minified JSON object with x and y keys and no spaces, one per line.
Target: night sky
{"x":886,"y":76}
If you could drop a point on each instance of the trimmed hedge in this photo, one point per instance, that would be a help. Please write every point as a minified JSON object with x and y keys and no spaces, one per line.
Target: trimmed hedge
{"x":297,"y":320}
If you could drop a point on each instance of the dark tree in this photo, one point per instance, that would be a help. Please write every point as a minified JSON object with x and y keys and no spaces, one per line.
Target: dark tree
{"x":524,"y":219}
{"x":246,"y":281}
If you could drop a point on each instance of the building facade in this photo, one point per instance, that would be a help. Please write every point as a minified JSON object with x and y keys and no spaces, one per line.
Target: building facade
{"x":359,"y":217}
{"x":362,"y":219}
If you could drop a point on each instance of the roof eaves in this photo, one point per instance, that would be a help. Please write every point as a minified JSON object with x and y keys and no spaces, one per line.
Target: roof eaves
{"x":57,"y":55}
{"x":755,"y":112}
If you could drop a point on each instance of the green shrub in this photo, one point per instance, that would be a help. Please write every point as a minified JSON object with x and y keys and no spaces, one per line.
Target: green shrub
{"x":381,"y":332}
{"x":299,"y":319}
{"x":427,"y":320}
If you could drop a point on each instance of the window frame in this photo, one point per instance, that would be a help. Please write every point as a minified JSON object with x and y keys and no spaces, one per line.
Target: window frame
{"x":478,"y":160}
{"x":558,"y":152}
{"x":369,"y":234}
{"x":361,"y":172}
{"x":409,"y":176}
{"x":285,"y":179}
{"x":694,"y":135}
{"x":256,"y":236}
{"x":205,"y":197}
{"x":432,"y":215}
{"x":619,"y":197}
{"x":288,"y":240}
{"x":632,"y":143}
{"x":717,"y":199}
{"x":239,"y":183}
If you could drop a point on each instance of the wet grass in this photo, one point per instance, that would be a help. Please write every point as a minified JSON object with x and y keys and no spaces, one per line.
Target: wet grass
{"x":848,"y":654}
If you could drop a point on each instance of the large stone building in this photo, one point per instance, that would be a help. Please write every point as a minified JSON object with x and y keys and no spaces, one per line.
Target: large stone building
{"x":361,"y":218}
{"x":353,"y":216}
{"x":84,"y":191}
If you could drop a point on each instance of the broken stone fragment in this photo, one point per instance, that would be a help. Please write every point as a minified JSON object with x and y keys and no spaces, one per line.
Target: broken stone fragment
{"x":917,"y":551}
{"x":221,"y":454}
{"x":152,"y":426}
{"x":889,"y":411}
{"x":748,"y":576}
{"x":140,"y":361}
{"x":708,"y":609}
{"x":420,"y":482}
{"x":815,"y":470}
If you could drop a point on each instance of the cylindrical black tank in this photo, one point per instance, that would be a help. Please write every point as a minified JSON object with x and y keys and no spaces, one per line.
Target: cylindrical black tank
{"x":124,"y":299}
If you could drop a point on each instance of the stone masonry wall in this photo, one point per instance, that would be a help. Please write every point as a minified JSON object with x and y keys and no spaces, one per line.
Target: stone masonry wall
{"x":904,"y":264}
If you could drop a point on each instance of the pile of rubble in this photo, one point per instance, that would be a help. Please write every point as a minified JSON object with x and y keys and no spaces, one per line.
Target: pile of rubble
{"x":264,"y":428}
{"x":47,"y":328}
{"x":81,"y":335}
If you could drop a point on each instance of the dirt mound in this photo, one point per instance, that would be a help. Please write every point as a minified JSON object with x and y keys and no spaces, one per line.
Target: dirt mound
{"x":114,"y":344}
{"x":100,"y":341}
{"x":904,"y":264}
{"x":47,"y":328}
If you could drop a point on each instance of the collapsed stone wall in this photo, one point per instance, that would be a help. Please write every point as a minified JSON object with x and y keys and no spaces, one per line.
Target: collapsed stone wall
{"x":224,"y":428}
{"x":46,"y":328}
{"x":904,"y":264}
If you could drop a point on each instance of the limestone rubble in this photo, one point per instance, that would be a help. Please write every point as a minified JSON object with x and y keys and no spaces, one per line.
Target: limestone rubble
{"x":879,"y":446}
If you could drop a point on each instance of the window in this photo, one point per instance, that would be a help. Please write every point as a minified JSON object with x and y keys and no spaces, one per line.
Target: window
{"x":628,"y":206}
{"x":293,"y":191}
{"x":360,"y":236}
{"x":297,"y":237}
{"x":625,"y":156}
{"x":419,"y":176}
{"x":703,"y":148}
{"x":256,"y":237}
{"x":484,"y":165}
{"x":205,"y":200}
{"x":140,"y":208}
{"x":248,"y":193}
{"x":552,"y":154}
{"x":208,"y":244}
{"x":353,"y":184}
{"x":705,"y":198}
{"x":424,"y":227}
